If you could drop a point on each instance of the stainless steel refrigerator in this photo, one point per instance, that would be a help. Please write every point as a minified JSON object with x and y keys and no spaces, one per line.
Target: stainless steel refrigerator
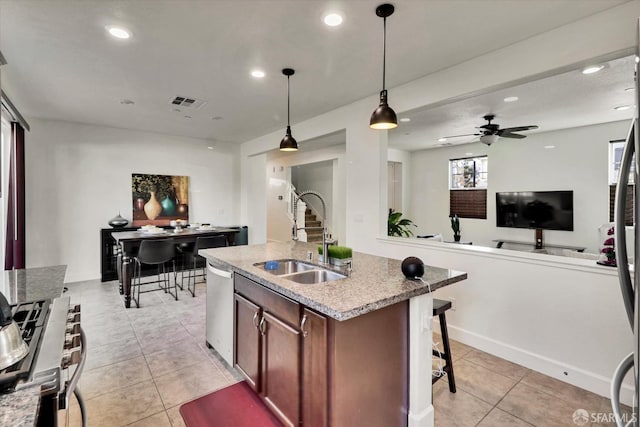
{"x":629,"y":278}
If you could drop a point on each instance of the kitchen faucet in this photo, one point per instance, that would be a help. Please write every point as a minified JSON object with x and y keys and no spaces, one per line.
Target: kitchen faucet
{"x":294,"y":231}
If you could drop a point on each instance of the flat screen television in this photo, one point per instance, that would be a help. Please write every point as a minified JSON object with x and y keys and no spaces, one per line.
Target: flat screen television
{"x":548,"y":210}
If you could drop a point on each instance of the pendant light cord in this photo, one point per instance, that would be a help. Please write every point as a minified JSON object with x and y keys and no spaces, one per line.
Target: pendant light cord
{"x":384,"y":52}
{"x":288,"y":102}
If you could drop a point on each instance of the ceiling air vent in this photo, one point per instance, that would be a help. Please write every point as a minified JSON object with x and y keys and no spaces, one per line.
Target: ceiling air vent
{"x":187,"y":102}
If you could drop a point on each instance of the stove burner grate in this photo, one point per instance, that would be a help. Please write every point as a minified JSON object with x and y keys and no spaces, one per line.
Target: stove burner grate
{"x":30,"y":318}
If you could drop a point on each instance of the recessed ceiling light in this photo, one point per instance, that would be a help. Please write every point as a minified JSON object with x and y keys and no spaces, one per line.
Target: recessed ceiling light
{"x":119,"y":32}
{"x":333,"y":19}
{"x":548,"y":147}
{"x":442,"y":139}
{"x":210,"y":147}
{"x":126,"y":102}
{"x":622,"y":107}
{"x":629,"y":89}
{"x":468,"y":154}
{"x":258,"y":74}
{"x":511,"y":99}
{"x":405,"y":120}
{"x":592,"y":69}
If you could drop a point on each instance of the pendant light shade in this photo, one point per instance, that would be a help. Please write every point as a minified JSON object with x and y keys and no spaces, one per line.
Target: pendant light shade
{"x":384,"y":117}
{"x":288,"y":143}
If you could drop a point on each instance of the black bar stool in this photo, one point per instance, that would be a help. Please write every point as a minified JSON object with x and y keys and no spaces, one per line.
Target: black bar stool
{"x":154,"y":252}
{"x":191,"y":255}
{"x":439,"y":308}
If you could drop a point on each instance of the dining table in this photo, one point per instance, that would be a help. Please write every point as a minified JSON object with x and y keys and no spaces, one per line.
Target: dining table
{"x":128,"y":243}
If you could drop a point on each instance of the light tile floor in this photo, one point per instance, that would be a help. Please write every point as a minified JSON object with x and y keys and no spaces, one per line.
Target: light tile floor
{"x":143,"y":363}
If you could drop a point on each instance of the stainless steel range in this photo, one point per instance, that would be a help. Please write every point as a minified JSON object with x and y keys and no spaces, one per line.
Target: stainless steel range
{"x":56,"y":357}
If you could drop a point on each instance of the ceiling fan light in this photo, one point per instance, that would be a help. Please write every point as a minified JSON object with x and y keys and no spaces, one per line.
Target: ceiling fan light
{"x":288,"y":143}
{"x":383,"y":117}
{"x":488,"y":139}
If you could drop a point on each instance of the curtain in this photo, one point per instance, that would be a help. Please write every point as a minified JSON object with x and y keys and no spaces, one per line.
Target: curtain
{"x":15,"y":236}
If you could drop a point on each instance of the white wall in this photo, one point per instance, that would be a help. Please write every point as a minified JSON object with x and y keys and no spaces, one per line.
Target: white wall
{"x":330,"y":161}
{"x":404,"y":157}
{"x":551,"y":314}
{"x":579,"y":163}
{"x":571,"y":45}
{"x":317,"y":177}
{"x":79,"y":176}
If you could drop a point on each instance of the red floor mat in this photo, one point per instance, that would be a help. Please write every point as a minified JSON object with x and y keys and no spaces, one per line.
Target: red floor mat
{"x":233,"y":406}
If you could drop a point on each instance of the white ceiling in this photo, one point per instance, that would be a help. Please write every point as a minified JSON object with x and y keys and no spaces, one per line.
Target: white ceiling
{"x":62,"y":64}
{"x":565,"y":100}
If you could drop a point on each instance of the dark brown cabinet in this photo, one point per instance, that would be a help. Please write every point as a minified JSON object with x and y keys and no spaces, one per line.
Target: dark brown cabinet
{"x":268,"y":347}
{"x":315,"y":371}
{"x":247,"y":340}
{"x":281,"y":369}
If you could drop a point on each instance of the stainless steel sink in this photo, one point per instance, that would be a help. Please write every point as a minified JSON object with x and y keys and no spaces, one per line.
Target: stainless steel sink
{"x":300,"y":271}
{"x":315,"y":276}
{"x":281,"y":267}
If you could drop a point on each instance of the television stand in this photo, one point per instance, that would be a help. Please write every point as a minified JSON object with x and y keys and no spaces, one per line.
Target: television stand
{"x":500,"y":242}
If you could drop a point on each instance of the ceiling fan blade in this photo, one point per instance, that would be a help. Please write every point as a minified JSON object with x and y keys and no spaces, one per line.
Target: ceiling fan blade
{"x":512,"y":135}
{"x":518,"y":129}
{"x":460,"y":136}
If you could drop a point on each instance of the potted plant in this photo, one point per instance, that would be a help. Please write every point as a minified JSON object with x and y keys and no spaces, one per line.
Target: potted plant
{"x":455,"y":226}
{"x":398,"y":226}
{"x":338,"y":255}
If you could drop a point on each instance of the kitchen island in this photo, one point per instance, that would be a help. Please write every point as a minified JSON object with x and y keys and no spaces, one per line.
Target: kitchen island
{"x":334,"y":353}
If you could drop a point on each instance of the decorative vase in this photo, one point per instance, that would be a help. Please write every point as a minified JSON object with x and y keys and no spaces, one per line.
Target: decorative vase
{"x":118,"y":221}
{"x":152,"y":208}
{"x":456,"y":237}
{"x":139,"y":204}
{"x":168,"y":207}
{"x":183,"y":209}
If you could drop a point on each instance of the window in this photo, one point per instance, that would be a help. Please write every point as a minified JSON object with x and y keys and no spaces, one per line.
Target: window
{"x":468,"y":173}
{"x":468,"y":187}
{"x":615,"y":159}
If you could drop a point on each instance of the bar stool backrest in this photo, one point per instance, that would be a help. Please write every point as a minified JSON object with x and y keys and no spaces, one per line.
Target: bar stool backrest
{"x":210,"y":242}
{"x":156,"y":251}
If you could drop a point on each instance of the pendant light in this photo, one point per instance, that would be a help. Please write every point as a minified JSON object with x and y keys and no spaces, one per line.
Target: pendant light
{"x":288,"y":143}
{"x":384,"y":117}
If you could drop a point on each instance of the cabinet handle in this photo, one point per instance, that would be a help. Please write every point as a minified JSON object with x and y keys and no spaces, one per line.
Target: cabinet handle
{"x":263,"y":327}
{"x":255,"y":319}
{"x":302,"y":325}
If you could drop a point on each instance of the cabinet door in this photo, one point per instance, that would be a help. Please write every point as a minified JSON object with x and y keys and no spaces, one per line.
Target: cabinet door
{"x":314,"y":381}
{"x":247,"y":340}
{"x":281,"y":358}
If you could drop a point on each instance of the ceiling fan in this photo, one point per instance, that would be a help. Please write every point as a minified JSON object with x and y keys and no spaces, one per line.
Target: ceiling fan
{"x":490,"y":132}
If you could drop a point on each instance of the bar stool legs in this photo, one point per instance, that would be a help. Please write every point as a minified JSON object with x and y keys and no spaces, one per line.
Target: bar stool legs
{"x":439,"y":308}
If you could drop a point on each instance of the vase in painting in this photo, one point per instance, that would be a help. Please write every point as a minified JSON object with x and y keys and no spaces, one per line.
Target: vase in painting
{"x":168,"y":206}
{"x":152,"y":208}
{"x":139,"y":204}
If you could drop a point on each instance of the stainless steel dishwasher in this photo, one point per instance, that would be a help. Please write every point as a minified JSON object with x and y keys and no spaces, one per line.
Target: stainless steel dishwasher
{"x":219,"y":327}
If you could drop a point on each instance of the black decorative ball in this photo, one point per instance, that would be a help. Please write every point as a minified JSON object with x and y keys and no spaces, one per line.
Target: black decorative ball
{"x":412,"y":267}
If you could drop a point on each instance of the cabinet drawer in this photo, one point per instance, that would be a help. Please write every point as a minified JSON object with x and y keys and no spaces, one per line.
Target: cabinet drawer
{"x":272,"y":302}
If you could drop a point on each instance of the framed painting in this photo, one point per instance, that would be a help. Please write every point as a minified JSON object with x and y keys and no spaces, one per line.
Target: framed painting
{"x":159,"y":199}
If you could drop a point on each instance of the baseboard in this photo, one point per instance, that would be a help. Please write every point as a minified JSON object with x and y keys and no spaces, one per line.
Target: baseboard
{"x":590,"y":381}
{"x":424,"y":419}
{"x":80,"y":277}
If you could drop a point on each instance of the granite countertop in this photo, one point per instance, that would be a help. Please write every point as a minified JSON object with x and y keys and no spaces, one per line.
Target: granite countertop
{"x":32,"y":284}
{"x":20,"y":408}
{"x":374,"y":283}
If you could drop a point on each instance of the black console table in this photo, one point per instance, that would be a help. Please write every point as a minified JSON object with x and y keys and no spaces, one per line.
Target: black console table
{"x":109,"y":253}
{"x":500,"y":242}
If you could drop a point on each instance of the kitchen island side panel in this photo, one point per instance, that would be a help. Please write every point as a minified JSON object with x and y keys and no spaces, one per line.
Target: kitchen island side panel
{"x":368,"y":363}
